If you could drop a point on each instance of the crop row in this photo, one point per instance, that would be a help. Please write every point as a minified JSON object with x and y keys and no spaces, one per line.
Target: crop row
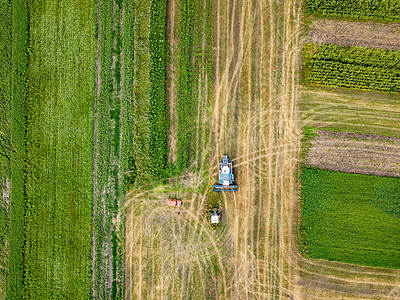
{"x":378,"y":10}
{"x":141,"y":92}
{"x":5,"y":145}
{"x":186,"y":106}
{"x":127,"y":92}
{"x":13,"y":53}
{"x":352,"y":67}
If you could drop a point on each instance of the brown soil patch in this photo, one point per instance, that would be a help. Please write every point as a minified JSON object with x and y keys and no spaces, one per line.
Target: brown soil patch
{"x":356,"y":153}
{"x":363,"y":34}
{"x":172,"y":40}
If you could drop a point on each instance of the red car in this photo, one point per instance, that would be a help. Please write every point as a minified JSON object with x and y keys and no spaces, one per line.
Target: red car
{"x":173,"y":202}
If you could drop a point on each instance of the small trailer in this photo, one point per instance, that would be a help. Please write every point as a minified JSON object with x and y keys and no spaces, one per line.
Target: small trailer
{"x":173,"y":202}
{"x":214,"y":216}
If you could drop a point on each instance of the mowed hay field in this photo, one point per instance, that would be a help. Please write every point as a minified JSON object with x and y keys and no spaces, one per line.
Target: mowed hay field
{"x":235,"y":62}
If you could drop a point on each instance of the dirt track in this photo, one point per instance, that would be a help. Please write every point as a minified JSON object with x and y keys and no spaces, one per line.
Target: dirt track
{"x":253,"y":119}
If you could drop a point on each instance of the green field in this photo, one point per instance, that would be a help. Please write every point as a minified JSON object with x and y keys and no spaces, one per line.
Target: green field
{"x":352,"y":67}
{"x":351,"y":218}
{"x":376,"y":10}
{"x":59,"y":184}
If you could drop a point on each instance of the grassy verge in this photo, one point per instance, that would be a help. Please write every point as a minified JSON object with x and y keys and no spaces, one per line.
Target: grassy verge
{"x":352,"y":67}
{"x":351,"y":218}
{"x":60,"y":150}
{"x":364,"y":10}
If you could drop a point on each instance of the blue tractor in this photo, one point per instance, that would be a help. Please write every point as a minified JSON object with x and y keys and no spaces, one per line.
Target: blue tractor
{"x":226,"y":178}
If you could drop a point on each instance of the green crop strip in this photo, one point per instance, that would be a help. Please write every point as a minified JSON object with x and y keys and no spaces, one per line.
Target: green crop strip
{"x":127,"y":91}
{"x":376,"y":10}
{"x":149,"y":111}
{"x":186,"y":105}
{"x":202,"y":65}
{"x":352,"y":67}
{"x":13,"y":53}
{"x":59,"y":170}
{"x":5,"y":140}
{"x":351,"y":218}
{"x":141,"y":92}
{"x":18,"y":126}
{"x":158,"y":110}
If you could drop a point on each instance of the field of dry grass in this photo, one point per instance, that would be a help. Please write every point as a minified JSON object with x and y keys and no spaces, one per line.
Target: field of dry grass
{"x":254,"y":117}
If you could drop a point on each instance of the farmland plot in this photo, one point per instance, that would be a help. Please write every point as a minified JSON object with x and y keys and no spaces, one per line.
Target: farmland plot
{"x":355,"y":111}
{"x":351,"y":218}
{"x":352,"y":67}
{"x":355,"y":153}
{"x":253,"y":119}
{"x":382,"y":11}
{"x":59,"y":188}
{"x":362,"y":34}
{"x":246,"y":101}
{"x":111,"y":142}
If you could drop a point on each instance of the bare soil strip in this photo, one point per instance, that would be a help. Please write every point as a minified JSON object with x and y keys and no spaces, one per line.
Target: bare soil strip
{"x":362,"y":34}
{"x":171,"y":75}
{"x":355,"y":153}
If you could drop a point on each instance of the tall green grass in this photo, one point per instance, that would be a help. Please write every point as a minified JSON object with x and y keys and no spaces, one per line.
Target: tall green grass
{"x":351,"y":218}
{"x":59,"y":169}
